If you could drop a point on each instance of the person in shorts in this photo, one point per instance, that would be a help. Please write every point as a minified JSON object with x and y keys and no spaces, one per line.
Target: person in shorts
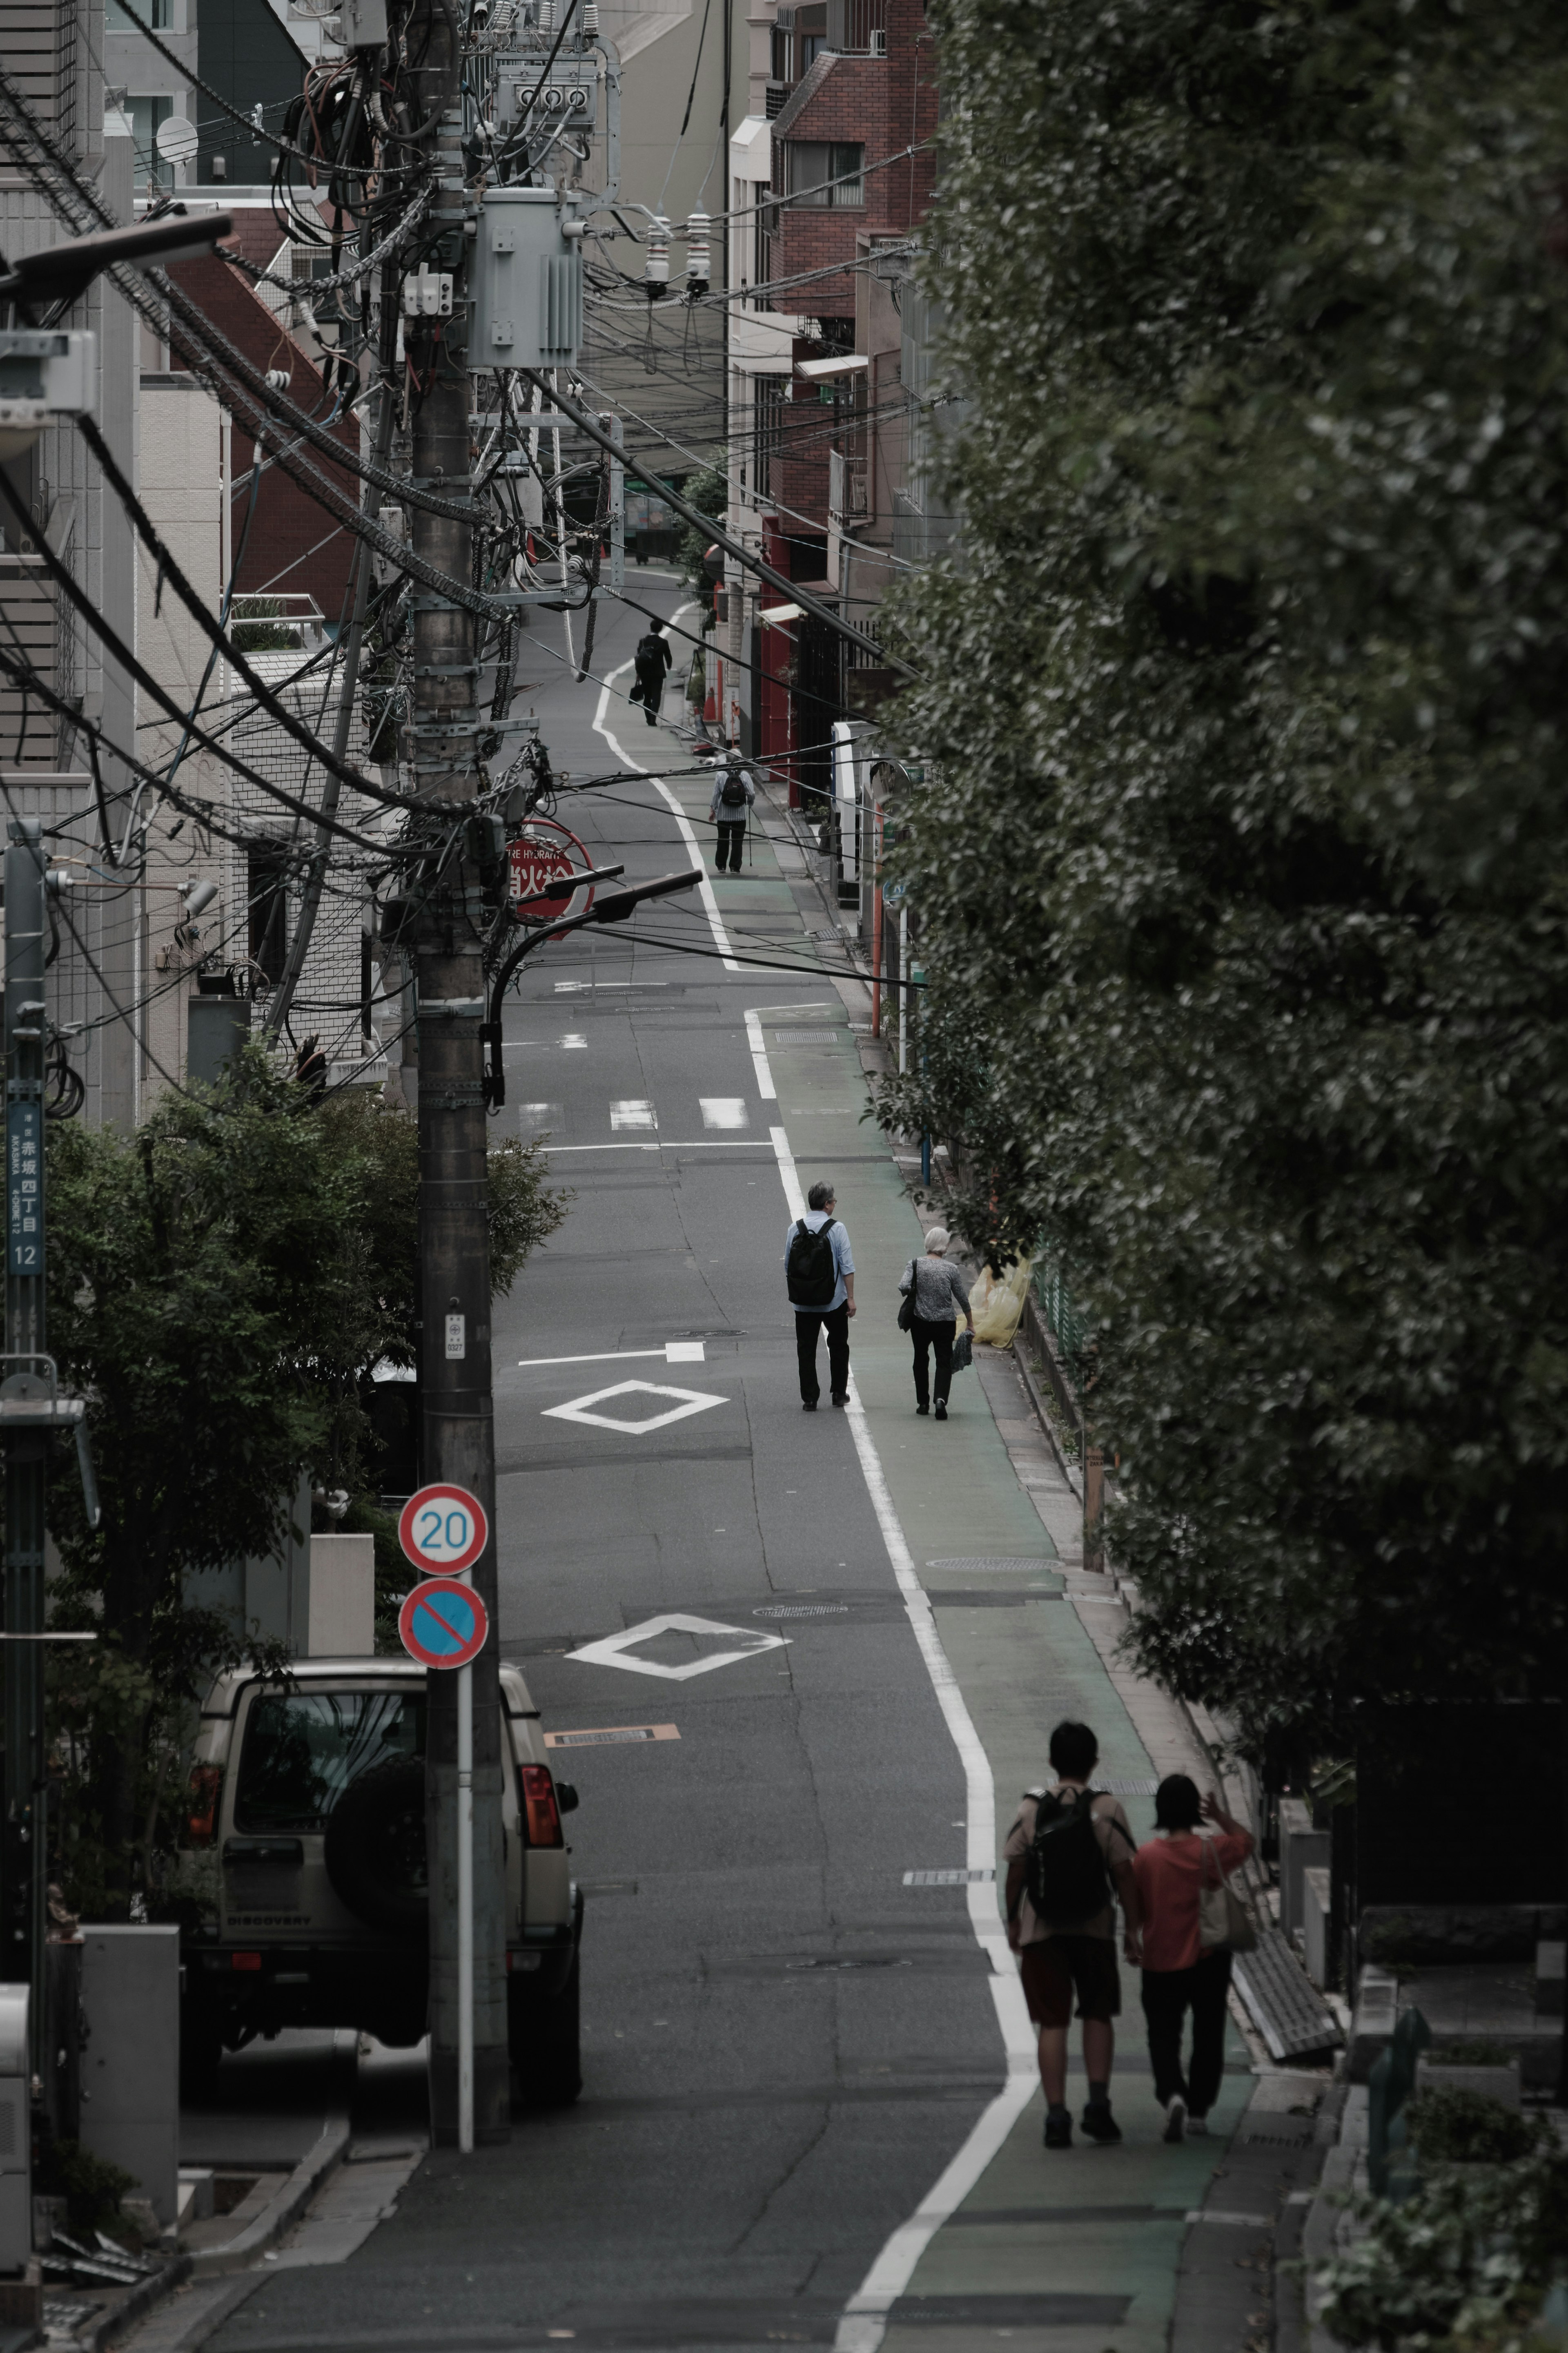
{"x":1061,"y":1958}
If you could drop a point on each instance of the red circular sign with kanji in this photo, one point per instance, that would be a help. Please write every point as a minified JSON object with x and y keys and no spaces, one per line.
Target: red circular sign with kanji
{"x":443,"y":1623}
{"x":443,"y":1529}
{"x":542,"y":861}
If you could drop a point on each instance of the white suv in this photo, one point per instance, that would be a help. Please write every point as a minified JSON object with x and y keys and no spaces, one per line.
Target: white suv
{"x":302,"y":1884}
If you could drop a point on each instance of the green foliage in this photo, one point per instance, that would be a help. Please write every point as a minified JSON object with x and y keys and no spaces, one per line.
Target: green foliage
{"x":1471,"y":2252}
{"x":1450,"y":2125}
{"x":257,"y":628}
{"x":91,"y":2187}
{"x":1242,"y":872}
{"x":708,"y":492}
{"x":220,"y":1284}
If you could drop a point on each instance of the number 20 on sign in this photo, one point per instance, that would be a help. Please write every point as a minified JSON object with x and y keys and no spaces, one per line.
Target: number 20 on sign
{"x":443,"y":1530}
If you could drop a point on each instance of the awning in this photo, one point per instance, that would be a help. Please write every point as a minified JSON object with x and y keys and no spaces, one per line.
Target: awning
{"x":841,"y":363}
{"x":780,"y":613}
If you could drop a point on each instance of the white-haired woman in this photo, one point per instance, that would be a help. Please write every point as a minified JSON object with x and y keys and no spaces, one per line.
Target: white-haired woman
{"x":942,"y":1295}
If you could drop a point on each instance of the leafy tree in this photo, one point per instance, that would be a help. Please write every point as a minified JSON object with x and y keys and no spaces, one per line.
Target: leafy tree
{"x":219,"y":1282}
{"x":708,"y":492}
{"x":1242,"y":874}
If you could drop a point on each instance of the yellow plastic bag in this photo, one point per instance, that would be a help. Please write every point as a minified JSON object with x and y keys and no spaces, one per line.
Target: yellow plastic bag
{"x":998,"y":1304}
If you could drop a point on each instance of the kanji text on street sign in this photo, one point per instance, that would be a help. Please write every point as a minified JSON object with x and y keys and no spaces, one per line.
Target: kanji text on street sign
{"x":443,"y":1623}
{"x":443,"y":1530}
{"x":24,"y":1173}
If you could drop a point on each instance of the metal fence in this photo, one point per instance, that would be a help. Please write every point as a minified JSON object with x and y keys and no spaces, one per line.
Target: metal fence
{"x":1065,"y":1321}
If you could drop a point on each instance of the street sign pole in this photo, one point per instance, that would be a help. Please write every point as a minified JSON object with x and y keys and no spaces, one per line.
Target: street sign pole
{"x":444,"y":1531}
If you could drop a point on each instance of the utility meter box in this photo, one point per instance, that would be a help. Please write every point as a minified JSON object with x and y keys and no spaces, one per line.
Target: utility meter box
{"x":525,"y":282}
{"x":567,"y":100}
{"x":15,"y":2130}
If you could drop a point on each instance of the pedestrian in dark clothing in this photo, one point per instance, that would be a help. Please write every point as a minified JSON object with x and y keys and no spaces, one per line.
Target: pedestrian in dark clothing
{"x":1171,"y":1869}
{"x":942,"y":1295}
{"x":653,"y":659}
{"x":820,"y":1272}
{"x":734,"y":791}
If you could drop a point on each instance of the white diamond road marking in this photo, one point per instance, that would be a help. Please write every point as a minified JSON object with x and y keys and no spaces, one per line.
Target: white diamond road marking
{"x":540,"y":1119}
{"x":723,"y":1110}
{"x":614,"y":1650}
{"x":633,"y":1112}
{"x":579,"y":1409}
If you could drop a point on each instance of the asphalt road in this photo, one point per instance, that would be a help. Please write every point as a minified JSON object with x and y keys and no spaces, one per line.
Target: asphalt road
{"x":782,"y":2046}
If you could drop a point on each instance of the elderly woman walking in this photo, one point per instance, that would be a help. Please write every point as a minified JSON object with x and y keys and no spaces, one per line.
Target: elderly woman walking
{"x":940,"y":1294}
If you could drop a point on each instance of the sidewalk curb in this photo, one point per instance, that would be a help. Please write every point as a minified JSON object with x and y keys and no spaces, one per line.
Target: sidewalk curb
{"x":322,"y":2158}
{"x":137,"y":2305}
{"x":1074,"y":1478}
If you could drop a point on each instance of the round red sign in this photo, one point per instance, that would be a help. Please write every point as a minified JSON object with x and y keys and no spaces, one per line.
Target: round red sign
{"x":443,"y":1623}
{"x":543,"y":861}
{"x":443,"y":1529}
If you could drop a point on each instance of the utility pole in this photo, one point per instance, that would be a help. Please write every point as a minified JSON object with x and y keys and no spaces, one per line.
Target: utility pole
{"x":26,"y":1842}
{"x":446,"y":931}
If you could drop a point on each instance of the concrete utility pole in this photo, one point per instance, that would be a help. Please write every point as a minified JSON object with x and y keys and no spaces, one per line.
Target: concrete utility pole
{"x":457,"y":1432}
{"x":26,"y":1843}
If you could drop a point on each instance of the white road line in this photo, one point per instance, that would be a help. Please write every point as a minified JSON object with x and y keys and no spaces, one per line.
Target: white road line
{"x":705,"y":888}
{"x":633,"y":1112}
{"x":674,"y":1352}
{"x":755,"y":1040}
{"x":723,"y":1110}
{"x":865,"y":2317}
{"x":702,"y":1143}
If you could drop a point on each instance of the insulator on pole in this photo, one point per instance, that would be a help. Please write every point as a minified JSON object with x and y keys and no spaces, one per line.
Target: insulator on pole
{"x":656,"y":269}
{"x":590,"y":20}
{"x":697,"y":253}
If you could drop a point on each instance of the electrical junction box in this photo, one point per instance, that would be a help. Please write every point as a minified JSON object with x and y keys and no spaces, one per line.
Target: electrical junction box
{"x":363,"y":24}
{"x":569,"y":100}
{"x":45,"y":372}
{"x":525,"y":282}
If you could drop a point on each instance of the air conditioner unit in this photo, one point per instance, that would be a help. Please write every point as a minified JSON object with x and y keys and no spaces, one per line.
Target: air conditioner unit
{"x":879,"y":43}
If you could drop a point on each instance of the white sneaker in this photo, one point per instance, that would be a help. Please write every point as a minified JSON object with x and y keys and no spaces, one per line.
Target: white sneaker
{"x":1175,"y":2118}
{"x":1198,"y":2127}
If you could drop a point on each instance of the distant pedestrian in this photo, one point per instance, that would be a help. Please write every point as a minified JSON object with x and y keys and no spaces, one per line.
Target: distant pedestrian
{"x":940,"y":1296}
{"x":1069,"y":1857}
{"x":1171,"y":1869}
{"x":653,"y":659}
{"x":734,"y":791}
{"x":820,"y":1272}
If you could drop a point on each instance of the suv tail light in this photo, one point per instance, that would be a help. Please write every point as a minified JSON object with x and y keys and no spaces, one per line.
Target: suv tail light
{"x":205,"y":1788}
{"x":541,"y":1817}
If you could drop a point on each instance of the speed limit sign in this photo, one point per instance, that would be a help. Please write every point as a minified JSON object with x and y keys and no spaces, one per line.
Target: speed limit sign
{"x":443,"y":1530}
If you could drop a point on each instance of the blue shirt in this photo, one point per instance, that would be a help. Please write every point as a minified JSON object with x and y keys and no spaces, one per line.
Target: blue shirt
{"x":842,"y":1259}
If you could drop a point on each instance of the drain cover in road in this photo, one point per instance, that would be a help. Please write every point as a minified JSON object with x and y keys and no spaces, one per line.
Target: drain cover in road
{"x":616,"y":1650}
{"x":687,"y":1402}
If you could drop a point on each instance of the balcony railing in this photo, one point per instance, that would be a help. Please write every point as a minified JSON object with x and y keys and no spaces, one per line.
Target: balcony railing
{"x":846,"y":487}
{"x":857,"y":27}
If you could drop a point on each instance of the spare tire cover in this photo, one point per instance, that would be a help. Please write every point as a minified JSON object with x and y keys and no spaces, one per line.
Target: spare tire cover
{"x":376,"y":1853}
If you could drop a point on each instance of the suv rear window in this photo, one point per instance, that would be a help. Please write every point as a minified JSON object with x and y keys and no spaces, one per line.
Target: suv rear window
{"x":303,"y":1748}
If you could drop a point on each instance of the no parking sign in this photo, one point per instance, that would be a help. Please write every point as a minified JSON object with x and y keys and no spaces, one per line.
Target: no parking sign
{"x":443,"y":1623}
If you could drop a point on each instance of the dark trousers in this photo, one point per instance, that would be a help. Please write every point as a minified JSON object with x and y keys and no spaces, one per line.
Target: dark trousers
{"x":731,"y":837}
{"x":1168,"y":1995}
{"x":651,"y":693}
{"x":927,"y":1336}
{"x":835,"y":1322}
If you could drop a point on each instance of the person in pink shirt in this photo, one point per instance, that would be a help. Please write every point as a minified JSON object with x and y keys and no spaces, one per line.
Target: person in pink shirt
{"x":1179,"y":1974}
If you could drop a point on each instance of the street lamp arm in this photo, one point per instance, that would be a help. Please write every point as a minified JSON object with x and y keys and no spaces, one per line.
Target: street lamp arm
{"x":614,"y":907}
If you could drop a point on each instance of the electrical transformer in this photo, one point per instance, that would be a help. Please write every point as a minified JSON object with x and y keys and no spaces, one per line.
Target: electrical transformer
{"x":525,"y":281}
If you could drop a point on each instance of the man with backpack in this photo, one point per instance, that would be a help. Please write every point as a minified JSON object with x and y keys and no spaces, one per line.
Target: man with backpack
{"x":820,"y":1272}
{"x":734,"y":790}
{"x":1070,"y":1858}
{"x":653,"y":659}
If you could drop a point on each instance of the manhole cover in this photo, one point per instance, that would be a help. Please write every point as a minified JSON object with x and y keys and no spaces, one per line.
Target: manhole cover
{"x":803,"y":1609}
{"x":803,"y":1036}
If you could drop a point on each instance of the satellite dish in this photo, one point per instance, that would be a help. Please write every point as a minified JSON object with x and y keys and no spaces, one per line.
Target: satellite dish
{"x":176,"y":139}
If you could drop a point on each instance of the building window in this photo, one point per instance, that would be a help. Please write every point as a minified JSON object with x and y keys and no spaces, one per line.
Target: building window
{"x":820,"y":173}
{"x":159,"y":13}
{"x":768,"y":395}
{"x":858,"y":28}
{"x":783,"y":43}
{"x":146,"y":114}
{"x":266,"y":889}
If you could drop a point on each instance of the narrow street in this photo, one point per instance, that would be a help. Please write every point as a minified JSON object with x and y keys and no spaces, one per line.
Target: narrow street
{"x":784,"y":2044}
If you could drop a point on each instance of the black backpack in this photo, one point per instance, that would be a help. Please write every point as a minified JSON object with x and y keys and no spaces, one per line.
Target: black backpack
{"x":1064,"y":1868}
{"x":811,"y":1269}
{"x":732,"y":793}
{"x":650,"y":651}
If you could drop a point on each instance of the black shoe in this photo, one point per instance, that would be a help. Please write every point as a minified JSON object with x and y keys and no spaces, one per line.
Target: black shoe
{"x":941,"y":1410}
{"x":922,"y":1409}
{"x":842,"y":1400}
{"x":1098,"y":2123}
{"x":1058,"y":2130}
{"x":808,"y":1404}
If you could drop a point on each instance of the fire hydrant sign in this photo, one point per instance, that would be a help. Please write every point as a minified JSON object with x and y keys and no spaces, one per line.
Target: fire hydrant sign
{"x":537,"y":866}
{"x":443,"y":1623}
{"x":443,"y":1530}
